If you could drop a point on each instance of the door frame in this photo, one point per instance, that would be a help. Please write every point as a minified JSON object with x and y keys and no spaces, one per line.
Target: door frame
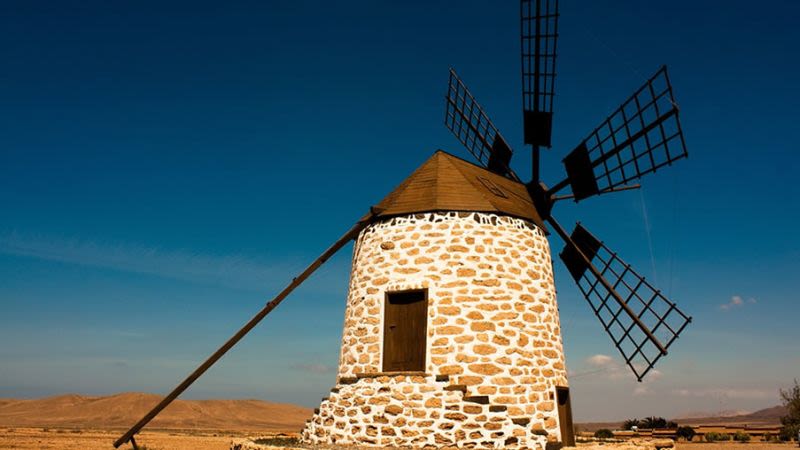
{"x":386,"y":295}
{"x":567,"y":429}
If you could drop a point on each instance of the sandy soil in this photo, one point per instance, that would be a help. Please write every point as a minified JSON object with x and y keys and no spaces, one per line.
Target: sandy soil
{"x":73,"y":411}
{"x":76,"y":439}
{"x":735,"y":446}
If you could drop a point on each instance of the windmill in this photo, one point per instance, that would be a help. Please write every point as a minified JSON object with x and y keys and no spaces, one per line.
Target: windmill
{"x":451,"y":333}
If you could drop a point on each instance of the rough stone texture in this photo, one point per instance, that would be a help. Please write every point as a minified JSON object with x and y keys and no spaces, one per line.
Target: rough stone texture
{"x":492,"y":326}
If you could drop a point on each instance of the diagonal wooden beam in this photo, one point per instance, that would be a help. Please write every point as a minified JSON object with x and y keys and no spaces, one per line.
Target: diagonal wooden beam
{"x":351,"y":234}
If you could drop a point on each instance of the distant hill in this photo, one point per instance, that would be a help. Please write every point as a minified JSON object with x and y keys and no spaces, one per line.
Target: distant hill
{"x":725,"y":413}
{"x":123,"y":410}
{"x":767,"y":416}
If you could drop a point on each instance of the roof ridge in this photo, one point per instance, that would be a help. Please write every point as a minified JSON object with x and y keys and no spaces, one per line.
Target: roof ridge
{"x":437,"y":158}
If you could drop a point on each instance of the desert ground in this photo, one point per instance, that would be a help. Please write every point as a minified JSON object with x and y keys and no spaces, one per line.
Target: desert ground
{"x":77,"y":422}
{"x":78,"y":439}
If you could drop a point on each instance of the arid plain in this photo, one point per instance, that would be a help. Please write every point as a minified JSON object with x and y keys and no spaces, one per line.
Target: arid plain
{"x":93,"y":423}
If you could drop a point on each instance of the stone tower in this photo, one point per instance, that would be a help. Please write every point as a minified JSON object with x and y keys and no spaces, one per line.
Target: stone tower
{"x":451,"y":334}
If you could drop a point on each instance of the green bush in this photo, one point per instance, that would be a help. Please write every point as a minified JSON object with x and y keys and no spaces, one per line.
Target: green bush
{"x":791,"y":421}
{"x":686,"y":433}
{"x":653,"y":422}
{"x":278,"y":441}
{"x":715,"y":437}
{"x":741,"y":436}
{"x":603,"y":433}
{"x":630,"y":423}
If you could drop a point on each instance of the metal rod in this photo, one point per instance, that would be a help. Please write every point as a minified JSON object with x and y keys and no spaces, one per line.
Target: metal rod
{"x":616,"y":189}
{"x":561,"y":232}
{"x":536,"y":58}
{"x":559,"y":186}
{"x":347,"y":237}
{"x":536,"y":87}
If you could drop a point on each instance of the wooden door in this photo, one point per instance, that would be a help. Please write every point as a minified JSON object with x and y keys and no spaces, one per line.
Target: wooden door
{"x":404,"y":331}
{"x":565,"y":416}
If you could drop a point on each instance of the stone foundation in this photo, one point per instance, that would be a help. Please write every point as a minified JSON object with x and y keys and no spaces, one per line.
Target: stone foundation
{"x":418,"y":411}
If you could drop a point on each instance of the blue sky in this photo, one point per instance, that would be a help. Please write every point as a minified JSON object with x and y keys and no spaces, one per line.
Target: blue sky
{"x":166,"y":167}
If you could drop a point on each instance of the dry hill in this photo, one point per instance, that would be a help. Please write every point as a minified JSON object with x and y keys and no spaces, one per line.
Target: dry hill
{"x":767,"y":416}
{"x":123,"y":410}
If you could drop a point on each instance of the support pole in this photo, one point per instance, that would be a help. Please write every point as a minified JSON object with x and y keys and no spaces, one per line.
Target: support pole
{"x":347,"y":237}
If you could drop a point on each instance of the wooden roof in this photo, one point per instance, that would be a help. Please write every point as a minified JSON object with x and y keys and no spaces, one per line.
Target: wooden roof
{"x":447,"y":183}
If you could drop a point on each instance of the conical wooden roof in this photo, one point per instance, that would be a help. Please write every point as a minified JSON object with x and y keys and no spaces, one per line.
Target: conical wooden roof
{"x":447,"y":183}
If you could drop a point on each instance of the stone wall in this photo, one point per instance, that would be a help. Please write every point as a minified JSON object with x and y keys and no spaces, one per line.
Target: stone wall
{"x":494,"y":352}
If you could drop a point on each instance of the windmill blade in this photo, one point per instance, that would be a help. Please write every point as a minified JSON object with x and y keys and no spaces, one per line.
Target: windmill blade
{"x":351,"y":234}
{"x":641,"y":136}
{"x":641,"y":321}
{"x":539,"y":36}
{"x":465,"y":118}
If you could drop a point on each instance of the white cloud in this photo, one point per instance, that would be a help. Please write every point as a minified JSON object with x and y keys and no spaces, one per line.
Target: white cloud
{"x":727,"y":393}
{"x":736,"y":302}
{"x":642,"y":389}
{"x":228,"y":270}
{"x":605,"y":366}
{"x":600,"y":360}
{"x":654,"y":375}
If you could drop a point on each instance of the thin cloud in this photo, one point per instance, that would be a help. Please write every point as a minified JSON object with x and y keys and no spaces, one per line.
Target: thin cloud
{"x":228,"y":270}
{"x":312,"y":368}
{"x":736,"y":302}
{"x":604,"y":366}
{"x":731,"y":393}
{"x":642,"y":390}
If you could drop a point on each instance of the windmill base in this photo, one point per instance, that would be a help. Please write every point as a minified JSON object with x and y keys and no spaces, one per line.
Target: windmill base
{"x":418,"y":411}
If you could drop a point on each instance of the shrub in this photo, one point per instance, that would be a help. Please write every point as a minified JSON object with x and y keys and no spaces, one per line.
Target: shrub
{"x":687,"y":433}
{"x":791,"y":421}
{"x":603,"y":433}
{"x":278,"y":441}
{"x":741,"y":436}
{"x":653,"y":422}
{"x":630,"y":423}
{"x":714,"y":437}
